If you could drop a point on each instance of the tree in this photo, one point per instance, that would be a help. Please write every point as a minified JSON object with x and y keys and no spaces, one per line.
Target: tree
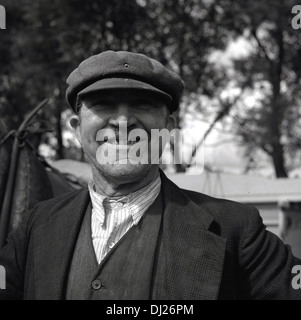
{"x":43,"y":44}
{"x":46,"y":44}
{"x":45,"y":41}
{"x":272,"y":125}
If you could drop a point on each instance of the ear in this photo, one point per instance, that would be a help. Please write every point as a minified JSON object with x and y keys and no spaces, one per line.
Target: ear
{"x":171,"y":122}
{"x":75,"y":124}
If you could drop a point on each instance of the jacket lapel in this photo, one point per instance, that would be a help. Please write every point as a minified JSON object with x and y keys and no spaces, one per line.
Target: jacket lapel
{"x":194,"y":256}
{"x":54,"y":245}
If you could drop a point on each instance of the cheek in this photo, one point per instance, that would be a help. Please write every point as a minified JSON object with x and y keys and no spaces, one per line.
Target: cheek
{"x":155,"y":120}
{"x":89,"y":128}
{"x":162,"y":117}
{"x":161,"y":123}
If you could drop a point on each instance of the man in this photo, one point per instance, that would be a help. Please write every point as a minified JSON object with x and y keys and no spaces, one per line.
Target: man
{"x":132,"y":233}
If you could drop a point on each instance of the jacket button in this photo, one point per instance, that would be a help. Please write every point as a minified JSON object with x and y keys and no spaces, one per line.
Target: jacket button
{"x":96,"y":284}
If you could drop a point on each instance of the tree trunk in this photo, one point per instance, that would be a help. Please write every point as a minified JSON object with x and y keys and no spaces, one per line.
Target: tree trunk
{"x":276,"y":120}
{"x":278,"y":161}
{"x":277,"y":108}
{"x":60,"y":146}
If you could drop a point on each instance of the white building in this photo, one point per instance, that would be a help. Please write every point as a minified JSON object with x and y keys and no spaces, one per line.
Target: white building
{"x":278,"y":200}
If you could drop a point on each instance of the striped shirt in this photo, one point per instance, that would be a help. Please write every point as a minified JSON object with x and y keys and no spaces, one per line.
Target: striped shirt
{"x":112,"y":218}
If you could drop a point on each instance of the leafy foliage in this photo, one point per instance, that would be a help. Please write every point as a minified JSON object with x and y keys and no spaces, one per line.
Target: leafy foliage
{"x":46,"y":40}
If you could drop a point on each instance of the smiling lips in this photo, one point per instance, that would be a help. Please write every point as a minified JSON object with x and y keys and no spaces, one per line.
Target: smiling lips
{"x":121,"y":142}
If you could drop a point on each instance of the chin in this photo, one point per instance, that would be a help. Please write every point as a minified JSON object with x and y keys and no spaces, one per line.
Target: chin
{"x":125,"y":172}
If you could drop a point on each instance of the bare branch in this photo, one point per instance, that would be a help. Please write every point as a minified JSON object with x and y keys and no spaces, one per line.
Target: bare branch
{"x":225,"y":110}
{"x":217,"y":144}
{"x":261,"y":46}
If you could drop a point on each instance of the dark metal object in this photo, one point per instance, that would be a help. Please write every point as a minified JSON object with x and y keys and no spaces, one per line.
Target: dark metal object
{"x":9,"y":190}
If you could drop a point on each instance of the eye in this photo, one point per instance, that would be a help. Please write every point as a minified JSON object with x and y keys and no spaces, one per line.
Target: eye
{"x":101,"y":104}
{"x":143,"y":104}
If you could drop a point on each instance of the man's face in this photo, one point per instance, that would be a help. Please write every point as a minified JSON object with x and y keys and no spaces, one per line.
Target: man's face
{"x":119,"y":111}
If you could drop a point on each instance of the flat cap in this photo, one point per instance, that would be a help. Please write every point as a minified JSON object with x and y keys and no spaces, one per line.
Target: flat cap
{"x":123,"y":70}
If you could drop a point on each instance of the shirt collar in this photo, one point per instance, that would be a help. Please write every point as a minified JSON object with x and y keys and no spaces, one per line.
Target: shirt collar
{"x":136,"y":202}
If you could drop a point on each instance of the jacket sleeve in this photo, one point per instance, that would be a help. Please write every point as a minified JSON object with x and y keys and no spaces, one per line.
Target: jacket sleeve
{"x":266,"y":264}
{"x":12,"y":259}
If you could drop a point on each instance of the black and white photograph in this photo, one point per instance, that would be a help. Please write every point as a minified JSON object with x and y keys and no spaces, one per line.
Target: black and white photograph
{"x":150,"y":152}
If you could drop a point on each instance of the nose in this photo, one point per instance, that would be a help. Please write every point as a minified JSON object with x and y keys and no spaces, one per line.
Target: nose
{"x":123,"y":115}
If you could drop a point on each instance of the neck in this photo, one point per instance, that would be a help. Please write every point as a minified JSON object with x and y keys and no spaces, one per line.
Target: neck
{"x":113,"y":188}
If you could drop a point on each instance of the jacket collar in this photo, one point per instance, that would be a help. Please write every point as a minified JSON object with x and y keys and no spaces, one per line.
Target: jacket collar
{"x":54,"y":245}
{"x":194,"y":255}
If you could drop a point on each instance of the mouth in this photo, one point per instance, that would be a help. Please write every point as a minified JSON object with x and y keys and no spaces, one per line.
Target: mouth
{"x":121,"y":142}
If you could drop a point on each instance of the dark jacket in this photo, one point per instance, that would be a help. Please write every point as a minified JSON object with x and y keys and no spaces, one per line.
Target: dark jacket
{"x":214,"y":249}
